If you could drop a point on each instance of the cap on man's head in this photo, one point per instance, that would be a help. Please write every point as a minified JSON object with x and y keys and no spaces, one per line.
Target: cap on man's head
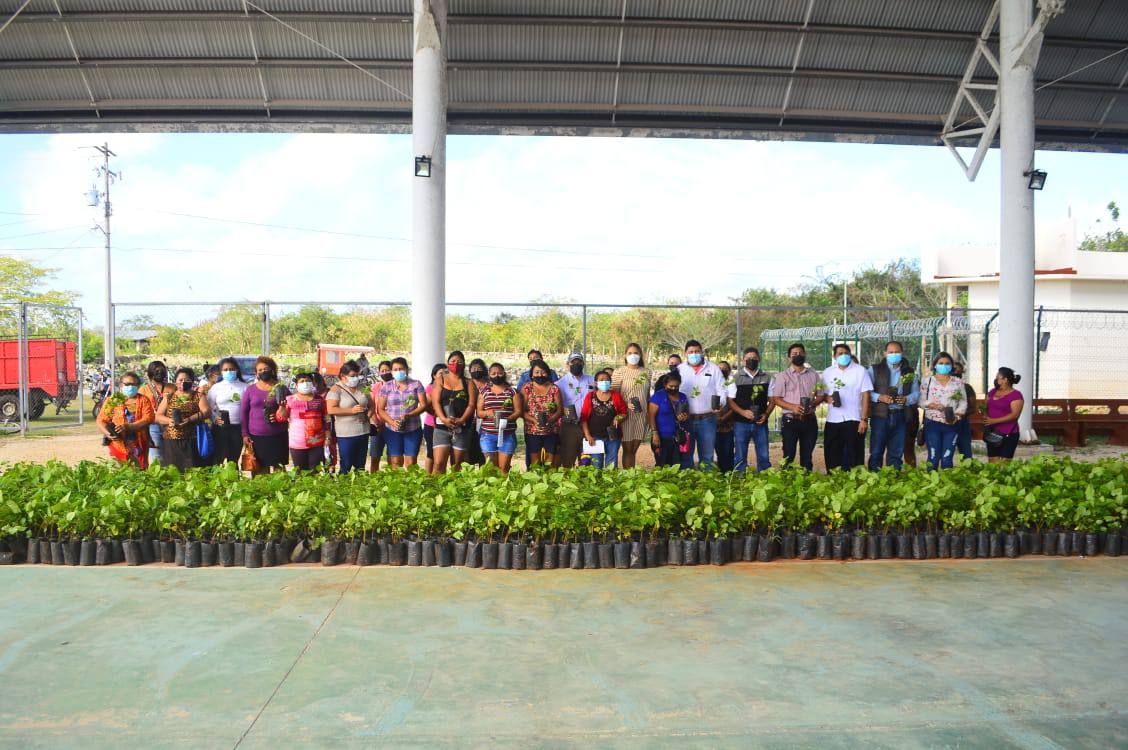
{"x":574,"y":356}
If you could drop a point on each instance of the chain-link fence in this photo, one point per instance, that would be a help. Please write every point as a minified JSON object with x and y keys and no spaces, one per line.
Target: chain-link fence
{"x":41,"y":380}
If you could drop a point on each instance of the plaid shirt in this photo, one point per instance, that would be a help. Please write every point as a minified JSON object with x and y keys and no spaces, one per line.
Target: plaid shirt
{"x":399,"y":402}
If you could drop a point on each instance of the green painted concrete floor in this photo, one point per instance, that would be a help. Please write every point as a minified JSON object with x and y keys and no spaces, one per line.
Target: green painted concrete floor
{"x":1030,"y":653}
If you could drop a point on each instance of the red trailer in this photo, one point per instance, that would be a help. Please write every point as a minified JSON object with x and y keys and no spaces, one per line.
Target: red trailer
{"x":52,"y":377}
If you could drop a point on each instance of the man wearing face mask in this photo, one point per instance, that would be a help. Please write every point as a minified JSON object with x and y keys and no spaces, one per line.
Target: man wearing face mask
{"x":793,"y":392}
{"x":894,"y":394}
{"x":849,"y":388}
{"x":574,"y":388}
{"x":749,"y":401}
{"x":704,"y":387}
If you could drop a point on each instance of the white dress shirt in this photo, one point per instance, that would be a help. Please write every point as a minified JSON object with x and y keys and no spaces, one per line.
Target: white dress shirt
{"x":856,"y":383}
{"x":700,"y":384}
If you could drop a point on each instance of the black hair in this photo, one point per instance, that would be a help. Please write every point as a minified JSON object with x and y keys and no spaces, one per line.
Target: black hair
{"x":671,"y":375}
{"x":437,"y":368}
{"x":399,"y":361}
{"x":541,"y":364}
{"x":694,"y":342}
{"x":726,"y":363}
{"x":675,"y":354}
{"x":304,"y":375}
{"x":455,"y":353}
{"x":1012,"y":377}
{"x":796,"y":345}
{"x":212,"y":370}
{"x":752,"y":350}
{"x":841,"y":345}
{"x":130,"y":374}
{"x":940,"y":356}
{"x":602,"y":373}
{"x":154,"y":367}
{"x":895,"y":341}
{"x":538,"y":352}
{"x":234,"y":363}
{"x":348,"y":368}
{"x":477,"y":361}
{"x":187,"y":371}
{"x":384,"y":363}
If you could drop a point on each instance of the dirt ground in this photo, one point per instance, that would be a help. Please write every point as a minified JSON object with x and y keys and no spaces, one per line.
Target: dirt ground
{"x":75,"y":444}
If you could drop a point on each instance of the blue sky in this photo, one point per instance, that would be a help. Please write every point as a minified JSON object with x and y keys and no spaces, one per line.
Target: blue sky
{"x":598,"y":220}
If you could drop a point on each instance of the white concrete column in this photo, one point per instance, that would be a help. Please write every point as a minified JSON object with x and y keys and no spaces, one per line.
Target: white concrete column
{"x":429,"y":127}
{"x":1016,"y":245}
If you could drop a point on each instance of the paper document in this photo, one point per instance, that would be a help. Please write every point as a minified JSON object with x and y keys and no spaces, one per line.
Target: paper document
{"x":593,"y":450}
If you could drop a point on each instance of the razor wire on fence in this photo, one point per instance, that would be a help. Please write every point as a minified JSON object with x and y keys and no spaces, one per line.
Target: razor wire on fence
{"x":41,"y":376}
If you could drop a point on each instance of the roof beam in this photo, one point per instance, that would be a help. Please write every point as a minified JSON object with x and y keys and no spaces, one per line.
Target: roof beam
{"x":568,"y":21}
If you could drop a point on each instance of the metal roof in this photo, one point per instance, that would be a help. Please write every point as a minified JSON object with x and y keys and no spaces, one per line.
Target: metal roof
{"x":880,"y":70}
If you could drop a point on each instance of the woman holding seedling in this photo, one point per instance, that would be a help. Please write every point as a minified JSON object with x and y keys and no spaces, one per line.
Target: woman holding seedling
{"x":942,"y":395}
{"x":499,"y":405}
{"x":601,"y":417}
{"x":304,"y":412}
{"x":223,"y":400}
{"x":399,"y":406}
{"x":124,"y":421}
{"x":632,"y":383}
{"x":453,"y":410}
{"x":351,"y":406}
{"x":543,"y":410}
{"x":180,"y":411}
{"x":264,"y":434}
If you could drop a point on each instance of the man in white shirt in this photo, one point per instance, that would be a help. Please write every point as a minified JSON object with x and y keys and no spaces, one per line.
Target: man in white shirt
{"x":574,"y":387}
{"x":848,"y":387}
{"x":704,"y":386}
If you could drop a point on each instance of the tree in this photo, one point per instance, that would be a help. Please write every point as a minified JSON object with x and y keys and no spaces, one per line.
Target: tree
{"x":1112,"y":241}
{"x":23,"y":281}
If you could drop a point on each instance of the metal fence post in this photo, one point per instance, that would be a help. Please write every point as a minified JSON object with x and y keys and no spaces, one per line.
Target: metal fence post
{"x":583,"y":313}
{"x":1038,"y":353}
{"x":739,"y":348}
{"x":21,"y":363}
{"x":78,"y":368}
{"x":266,"y":329}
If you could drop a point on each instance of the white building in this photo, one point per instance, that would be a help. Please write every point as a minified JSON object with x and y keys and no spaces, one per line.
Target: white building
{"x":1077,"y":352}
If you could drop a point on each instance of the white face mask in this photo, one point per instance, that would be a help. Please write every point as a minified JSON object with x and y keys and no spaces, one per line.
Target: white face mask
{"x":305,"y":388}
{"x":633,"y":359}
{"x":352,"y":382}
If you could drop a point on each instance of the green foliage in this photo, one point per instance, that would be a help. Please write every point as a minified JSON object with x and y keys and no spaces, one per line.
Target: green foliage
{"x":1112,"y":241}
{"x":103,"y":499}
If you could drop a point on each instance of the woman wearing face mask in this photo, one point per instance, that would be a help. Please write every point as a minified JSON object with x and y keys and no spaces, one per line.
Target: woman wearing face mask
{"x":180,"y":411}
{"x":305,"y":414}
{"x":543,"y":409}
{"x":668,"y":408}
{"x":124,"y":421}
{"x":496,"y":402}
{"x":263,"y":432}
{"x":632,"y":383}
{"x":155,"y":390}
{"x":399,"y":405}
{"x":602,"y":414}
{"x":377,"y":447}
{"x":479,"y":380}
{"x":351,"y":409}
{"x":1004,"y":405}
{"x":223,"y":399}
{"x":945,"y":401}
{"x":429,"y":420}
{"x":453,"y":411}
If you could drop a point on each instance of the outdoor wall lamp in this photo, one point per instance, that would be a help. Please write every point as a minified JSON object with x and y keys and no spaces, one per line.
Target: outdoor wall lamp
{"x":1037,"y":179}
{"x":423,"y":166}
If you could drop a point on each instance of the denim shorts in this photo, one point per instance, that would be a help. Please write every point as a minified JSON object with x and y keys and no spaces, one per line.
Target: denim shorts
{"x":489,"y":443}
{"x":403,"y":443}
{"x":459,"y":441}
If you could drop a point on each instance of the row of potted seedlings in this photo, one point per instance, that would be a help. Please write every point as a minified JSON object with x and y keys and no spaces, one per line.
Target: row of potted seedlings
{"x":540,"y":555}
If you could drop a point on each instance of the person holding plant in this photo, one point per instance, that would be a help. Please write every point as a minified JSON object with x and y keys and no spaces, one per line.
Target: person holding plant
{"x":377,"y":447}
{"x":264,"y":434}
{"x":849,"y":387}
{"x":893,"y":395}
{"x":223,"y":401}
{"x":725,"y":445}
{"x":794,"y":392}
{"x":963,"y":424}
{"x":667,"y":412}
{"x":479,"y":380}
{"x":750,"y":406}
{"x":543,"y":410}
{"x":704,"y":386}
{"x":1004,"y":405}
{"x":124,"y":422}
{"x":180,"y":411}
{"x":305,"y":414}
{"x":400,"y":404}
{"x":453,"y":412}
{"x":429,"y":420}
{"x":944,"y":402}
{"x":574,"y":388}
{"x":601,"y":415}
{"x":632,"y":383}
{"x":155,"y":390}
{"x":351,"y":408}
{"x":499,"y":405}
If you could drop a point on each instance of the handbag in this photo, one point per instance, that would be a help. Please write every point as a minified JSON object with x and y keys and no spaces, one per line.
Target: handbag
{"x":205,"y":441}
{"x":992,"y":437}
{"x":247,"y":461}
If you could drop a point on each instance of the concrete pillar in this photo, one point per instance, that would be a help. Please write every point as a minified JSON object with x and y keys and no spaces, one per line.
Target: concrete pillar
{"x":1016,"y":245}
{"x":429,"y":127}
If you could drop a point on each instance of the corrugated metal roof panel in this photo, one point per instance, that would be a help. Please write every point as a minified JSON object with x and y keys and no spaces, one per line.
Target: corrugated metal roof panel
{"x":376,"y":41}
{"x":154,"y":39}
{"x":25,"y":42}
{"x":203,"y":6}
{"x":886,"y":54}
{"x":779,"y":11}
{"x":174,"y":83}
{"x":336,"y":84}
{"x":531,"y":86}
{"x":709,"y":47}
{"x":548,"y":43}
{"x":734,"y":91}
{"x":607,"y":8}
{"x":951,"y":15}
{"x":38,"y":85}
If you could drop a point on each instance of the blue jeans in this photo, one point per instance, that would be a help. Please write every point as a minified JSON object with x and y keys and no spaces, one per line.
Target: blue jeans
{"x":963,"y":437}
{"x":351,"y":452}
{"x":490,"y":444}
{"x":940,"y":438}
{"x":703,"y":437}
{"x":403,"y":443}
{"x":610,"y":457}
{"x":887,"y":440}
{"x":748,"y":432}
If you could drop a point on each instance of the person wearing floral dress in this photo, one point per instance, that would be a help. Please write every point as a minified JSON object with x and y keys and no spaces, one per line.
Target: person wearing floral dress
{"x":181,"y":410}
{"x":543,"y":410}
{"x":945,"y":401}
{"x":124,"y":420}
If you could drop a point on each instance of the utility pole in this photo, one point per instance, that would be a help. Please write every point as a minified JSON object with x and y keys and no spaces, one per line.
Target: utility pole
{"x":108,"y":176}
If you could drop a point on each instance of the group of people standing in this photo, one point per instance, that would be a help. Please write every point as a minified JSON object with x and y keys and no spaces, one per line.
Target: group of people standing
{"x":696,"y":414}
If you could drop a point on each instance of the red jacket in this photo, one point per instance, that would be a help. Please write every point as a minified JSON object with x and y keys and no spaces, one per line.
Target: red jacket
{"x":616,"y":400}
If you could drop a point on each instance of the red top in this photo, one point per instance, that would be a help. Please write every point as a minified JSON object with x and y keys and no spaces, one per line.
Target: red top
{"x":616,"y":400}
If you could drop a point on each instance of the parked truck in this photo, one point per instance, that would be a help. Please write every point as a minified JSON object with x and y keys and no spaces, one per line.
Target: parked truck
{"x":52,"y":377}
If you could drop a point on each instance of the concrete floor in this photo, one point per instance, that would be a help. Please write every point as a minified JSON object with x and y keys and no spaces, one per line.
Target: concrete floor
{"x":1028,"y":653}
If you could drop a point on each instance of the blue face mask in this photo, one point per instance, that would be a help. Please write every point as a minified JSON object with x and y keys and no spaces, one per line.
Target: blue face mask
{"x":943,"y":369}
{"x":399,"y":375}
{"x":695,"y":359}
{"x":129,"y":391}
{"x":229,"y":376}
{"x":604,"y":386}
{"x":894,"y":358}
{"x":843,"y":360}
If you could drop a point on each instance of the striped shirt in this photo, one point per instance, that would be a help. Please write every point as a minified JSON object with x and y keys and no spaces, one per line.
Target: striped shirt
{"x":503,"y":402}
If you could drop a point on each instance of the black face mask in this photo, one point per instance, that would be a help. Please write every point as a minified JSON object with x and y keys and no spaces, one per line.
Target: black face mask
{"x":266,"y":375}
{"x":725,"y":374}
{"x":540,"y":379}
{"x":752,"y":364}
{"x":672,"y":389}
{"x":386,"y":376}
{"x":799,"y":360}
{"x":186,"y":386}
{"x":160,"y":377}
{"x":673,"y":368}
{"x":498,"y":380}
{"x":478,"y":374}
{"x":576,"y":369}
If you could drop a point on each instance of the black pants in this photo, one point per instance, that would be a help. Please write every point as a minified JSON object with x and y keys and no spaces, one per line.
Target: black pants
{"x":228,"y":443}
{"x":667,"y":454}
{"x":843,"y":446}
{"x":308,"y":459}
{"x":803,"y":433}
